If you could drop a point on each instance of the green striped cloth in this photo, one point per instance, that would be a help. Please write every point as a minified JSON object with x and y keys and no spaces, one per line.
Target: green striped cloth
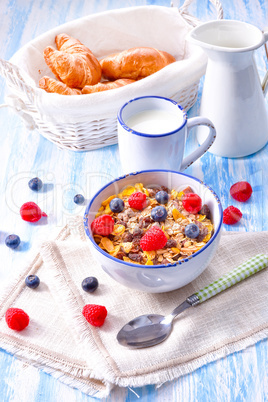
{"x":243,"y":271}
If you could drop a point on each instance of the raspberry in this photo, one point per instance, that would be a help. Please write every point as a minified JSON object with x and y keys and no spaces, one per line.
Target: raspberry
{"x":241,"y":191}
{"x":16,"y":319}
{"x":192,"y":203}
{"x":103,"y":225}
{"x":137,"y":200}
{"x":231,"y":215}
{"x":154,"y":239}
{"x":94,"y":314}
{"x":31,"y":212}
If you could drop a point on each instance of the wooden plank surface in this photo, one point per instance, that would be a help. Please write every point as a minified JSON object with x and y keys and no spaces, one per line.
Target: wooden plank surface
{"x":24,"y":154}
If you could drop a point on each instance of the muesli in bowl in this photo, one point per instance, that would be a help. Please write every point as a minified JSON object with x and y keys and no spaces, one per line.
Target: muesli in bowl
{"x":154,"y":230}
{"x":152,"y":225}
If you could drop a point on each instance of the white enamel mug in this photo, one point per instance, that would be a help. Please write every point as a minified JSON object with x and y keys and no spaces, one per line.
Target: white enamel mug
{"x":152,"y":132}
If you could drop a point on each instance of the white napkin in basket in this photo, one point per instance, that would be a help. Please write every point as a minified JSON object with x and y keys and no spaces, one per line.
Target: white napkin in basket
{"x":61,"y":342}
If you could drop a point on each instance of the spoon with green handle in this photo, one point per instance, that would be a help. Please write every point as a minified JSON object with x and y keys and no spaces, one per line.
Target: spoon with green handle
{"x":149,"y":330}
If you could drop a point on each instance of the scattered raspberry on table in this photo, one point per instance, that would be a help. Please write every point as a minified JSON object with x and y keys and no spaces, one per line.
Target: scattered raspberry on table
{"x":137,"y":200}
{"x":102,"y":225}
{"x":95,"y":314}
{"x":31,"y":212}
{"x":16,"y":319}
{"x":231,"y":215}
{"x":241,"y":191}
{"x":154,"y":239}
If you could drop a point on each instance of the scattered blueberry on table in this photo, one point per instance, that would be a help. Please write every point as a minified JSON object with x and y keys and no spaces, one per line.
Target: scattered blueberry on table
{"x":35,"y":184}
{"x":79,"y":199}
{"x":12,"y":241}
{"x":90,"y":284}
{"x":32,"y":281}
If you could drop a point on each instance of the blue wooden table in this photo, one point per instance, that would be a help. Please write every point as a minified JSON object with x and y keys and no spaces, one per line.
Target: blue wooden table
{"x":24,"y":154}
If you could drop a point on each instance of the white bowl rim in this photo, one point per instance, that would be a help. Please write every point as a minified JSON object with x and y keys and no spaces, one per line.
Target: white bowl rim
{"x":140,"y":266}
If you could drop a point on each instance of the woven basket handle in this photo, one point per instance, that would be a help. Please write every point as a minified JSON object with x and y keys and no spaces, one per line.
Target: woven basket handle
{"x":183,"y":10}
{"x":15,"y":78}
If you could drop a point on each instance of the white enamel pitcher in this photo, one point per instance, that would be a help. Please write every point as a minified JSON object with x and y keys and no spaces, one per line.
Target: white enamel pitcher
{"x":233,"y":96}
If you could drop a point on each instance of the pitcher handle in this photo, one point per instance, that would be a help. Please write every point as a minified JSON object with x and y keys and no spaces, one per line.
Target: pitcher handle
{"x":265,"y":80}
{"x":190,"y":19}
{"x":199,"y":121}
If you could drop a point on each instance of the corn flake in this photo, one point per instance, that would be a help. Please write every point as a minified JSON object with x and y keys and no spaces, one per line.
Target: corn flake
{"x":177,"y":214}
{"x":150,"y":254}
{"x":201,"y":218}
{"x":173,"y":194}
{"x":128,"y":191}
{"x":149,"y":262}
{"x":139,"y":187}
{"x":126,"y":246}
{"x":107,"y":244}
{"x":107,"y":201}
{"x":206,"y":239}
{"x":118,"y":230}
{"x":145,"y":191}
{"x":107,"y":210}
{"x":115,"y":250}
{"x":129,"y":260}
{"x":180,"y":195}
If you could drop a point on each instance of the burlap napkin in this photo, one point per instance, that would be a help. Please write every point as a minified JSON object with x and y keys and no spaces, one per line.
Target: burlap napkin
{"x":61,"y":342}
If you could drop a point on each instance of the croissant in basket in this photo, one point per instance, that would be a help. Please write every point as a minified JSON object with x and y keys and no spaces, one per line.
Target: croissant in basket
{"x":135,"y":63}
{"x":73,"y":63}
{"x":106,"y":85}
{"x":54,"y":86}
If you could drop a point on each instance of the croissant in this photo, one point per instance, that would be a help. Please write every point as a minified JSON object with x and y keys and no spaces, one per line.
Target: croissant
{"x":73,"y":63}
{"x":135,"y":63}
{"x":51,"y":85}
{"x":106,"y":85}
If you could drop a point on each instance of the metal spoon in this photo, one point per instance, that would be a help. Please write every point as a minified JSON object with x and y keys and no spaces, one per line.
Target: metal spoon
{"x":151,"y":329}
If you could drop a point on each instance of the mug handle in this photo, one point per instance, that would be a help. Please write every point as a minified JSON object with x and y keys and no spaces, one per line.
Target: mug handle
{"x":199,"y":121}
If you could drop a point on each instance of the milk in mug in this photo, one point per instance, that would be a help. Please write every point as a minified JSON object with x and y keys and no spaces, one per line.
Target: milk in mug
{"x":155,"y":121}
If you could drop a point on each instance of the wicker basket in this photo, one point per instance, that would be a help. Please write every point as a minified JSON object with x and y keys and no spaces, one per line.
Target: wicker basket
{"x":96,"y":126}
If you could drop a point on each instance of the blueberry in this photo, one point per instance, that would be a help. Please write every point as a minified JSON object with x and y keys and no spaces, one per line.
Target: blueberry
{"x":159,"y":213}
{"x":161,"y":197}
{"x":32,"y":281}
{"x":35,"y":184}
{"x":191,"y":231}
{"x":79,"y":199}
{"x":90,"y":284}
{"x":116,"y":205}
{"x":12,"y":241}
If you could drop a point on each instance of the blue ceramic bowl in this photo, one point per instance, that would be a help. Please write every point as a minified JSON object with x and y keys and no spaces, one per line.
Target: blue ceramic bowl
{"x":156,"y":278}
